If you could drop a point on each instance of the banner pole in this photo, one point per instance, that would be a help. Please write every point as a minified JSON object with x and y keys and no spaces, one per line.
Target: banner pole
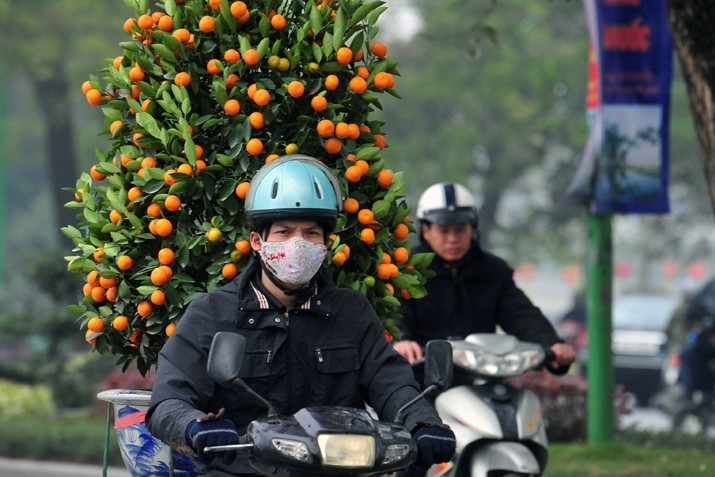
{"x":599,"y":269}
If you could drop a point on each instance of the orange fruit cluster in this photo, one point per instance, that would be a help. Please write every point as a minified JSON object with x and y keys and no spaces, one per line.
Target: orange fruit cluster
{"x":194,"y":105}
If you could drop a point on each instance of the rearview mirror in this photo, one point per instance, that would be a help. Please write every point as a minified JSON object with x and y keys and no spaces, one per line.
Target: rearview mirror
{"x":225,"y":361}
{"x":438,"y":364}
{"x":226,"y":357}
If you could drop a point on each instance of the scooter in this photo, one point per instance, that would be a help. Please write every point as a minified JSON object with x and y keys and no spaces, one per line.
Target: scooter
{"x":499,"y":428}
{"x":694,"y":414}
{"x":324,"y":440}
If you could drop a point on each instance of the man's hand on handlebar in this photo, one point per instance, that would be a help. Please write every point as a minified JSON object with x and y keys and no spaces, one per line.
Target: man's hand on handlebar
{"x":564,"y":355}
{"x":411,"y":350}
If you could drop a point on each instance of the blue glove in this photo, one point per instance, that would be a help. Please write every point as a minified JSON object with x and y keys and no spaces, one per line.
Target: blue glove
{"x":434,"y":445}
{"x":215,"y":432}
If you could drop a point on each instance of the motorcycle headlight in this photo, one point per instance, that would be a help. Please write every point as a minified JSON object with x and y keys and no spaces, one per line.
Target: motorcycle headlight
{"x":489,"y":364}
{"x":347,"y":450}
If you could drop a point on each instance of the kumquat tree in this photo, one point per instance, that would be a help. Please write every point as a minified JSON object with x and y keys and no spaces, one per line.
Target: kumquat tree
{"x":203,"y":94}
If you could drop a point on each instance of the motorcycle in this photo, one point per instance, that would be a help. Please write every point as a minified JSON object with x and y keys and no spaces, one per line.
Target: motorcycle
{"x":500,"y":429}
{"x":324,"y":440}
{"x":694,"y":413}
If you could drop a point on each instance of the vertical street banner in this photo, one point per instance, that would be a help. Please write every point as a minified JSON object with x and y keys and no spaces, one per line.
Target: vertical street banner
{"x":624,"y":166}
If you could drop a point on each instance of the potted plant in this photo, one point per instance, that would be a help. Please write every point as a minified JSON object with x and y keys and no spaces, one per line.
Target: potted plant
{"x":202,"y":94}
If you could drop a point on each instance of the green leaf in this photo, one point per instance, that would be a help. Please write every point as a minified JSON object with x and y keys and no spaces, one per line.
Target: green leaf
{"x":339,"y":29}
{"x":166,"y":52}
{"x":367,"y":151}
{"x":148,"y":122}
{"x":381,"y":208}
{"x":316,"y":19}
{"x":417,"y":291}
{"x":227,"y":16}
{"x":153,"y":185}
{"x":186,"y":106}
{"x":90,"y":216}
{"x":147,"y":289}
{"x":363,"y":11}
{"x":177,"y":187}
{"x":133,"y":5}
{"x":155,"y":173}
{"x":194,"y":241}
{"x":173,"y":297}
{"x":390,"y":301}
{"x":264,"y":26}
{"x":71,"y":232}
{"x":224,"y":160}
{"x":375,"y":14}
{"x":421,"y":260}
{"x":263,"y":47}
{"x":328,"y":47}
{"x":316,"y":52}
{"x":403,"y":280}
{"x":130,"y":46}
{"x":245,"y":44}
{"x":219,"y":89}
{"x":303,"y":32}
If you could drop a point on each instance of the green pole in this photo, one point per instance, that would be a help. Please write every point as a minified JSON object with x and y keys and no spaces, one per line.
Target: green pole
{"x":3,"y":165}
{"x":599,"y":269}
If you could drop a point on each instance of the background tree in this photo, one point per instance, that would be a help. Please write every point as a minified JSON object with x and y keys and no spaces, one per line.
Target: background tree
{"x":36,"y":36}
{"x":694,"y":40}
{"x":493,"y":96}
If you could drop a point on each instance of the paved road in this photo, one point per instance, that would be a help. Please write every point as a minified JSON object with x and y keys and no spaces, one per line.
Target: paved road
{"x":28,"y":468}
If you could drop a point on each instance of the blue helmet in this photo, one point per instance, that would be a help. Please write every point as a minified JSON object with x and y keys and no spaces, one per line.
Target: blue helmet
{"x":295,"y":187}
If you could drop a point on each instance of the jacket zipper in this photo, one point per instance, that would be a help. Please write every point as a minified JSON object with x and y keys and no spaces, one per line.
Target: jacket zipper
{"x":320,"y":355}
{"x":289,"y":380}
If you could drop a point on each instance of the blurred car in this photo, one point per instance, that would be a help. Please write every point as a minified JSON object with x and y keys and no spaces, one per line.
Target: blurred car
{"x":639,"y":342}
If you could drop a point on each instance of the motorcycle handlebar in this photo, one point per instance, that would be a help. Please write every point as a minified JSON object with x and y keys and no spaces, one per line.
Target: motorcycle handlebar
{"x":549,"y":356}
{"x":228,"y":447}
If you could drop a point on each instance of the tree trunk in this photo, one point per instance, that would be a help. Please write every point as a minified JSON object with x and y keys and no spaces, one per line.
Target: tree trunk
{"x":691,"y":25}
{"x":59,"y":143}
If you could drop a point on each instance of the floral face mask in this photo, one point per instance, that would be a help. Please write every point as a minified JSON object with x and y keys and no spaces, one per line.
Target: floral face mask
{"x":294,"y":261}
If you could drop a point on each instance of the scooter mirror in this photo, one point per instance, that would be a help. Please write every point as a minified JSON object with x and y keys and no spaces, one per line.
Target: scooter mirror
{"x":438,"y":364}
{"x":226,"y":357}
{"x":225,"y":361}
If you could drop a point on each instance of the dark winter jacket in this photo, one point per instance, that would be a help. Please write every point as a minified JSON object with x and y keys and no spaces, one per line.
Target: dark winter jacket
{"x":330,"y":350}
{"x":475,"y":297}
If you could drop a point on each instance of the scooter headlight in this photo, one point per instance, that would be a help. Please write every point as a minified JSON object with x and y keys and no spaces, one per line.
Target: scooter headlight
{"x":490,"y":364}
{"x":347,"y":450}
{"x":511,"y":363}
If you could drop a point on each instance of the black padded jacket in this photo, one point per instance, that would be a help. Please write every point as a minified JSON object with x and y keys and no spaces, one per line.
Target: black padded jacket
{"x":331,"y":350}
{"x":474,"y":297}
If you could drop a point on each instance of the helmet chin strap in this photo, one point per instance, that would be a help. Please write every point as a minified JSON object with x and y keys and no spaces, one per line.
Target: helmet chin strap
{"x":305,"y":291}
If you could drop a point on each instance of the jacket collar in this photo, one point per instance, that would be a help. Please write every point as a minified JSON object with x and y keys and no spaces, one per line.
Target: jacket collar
{"x":253,"y":294}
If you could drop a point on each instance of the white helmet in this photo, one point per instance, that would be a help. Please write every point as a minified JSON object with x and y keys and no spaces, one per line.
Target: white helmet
{"x":447,"y":203}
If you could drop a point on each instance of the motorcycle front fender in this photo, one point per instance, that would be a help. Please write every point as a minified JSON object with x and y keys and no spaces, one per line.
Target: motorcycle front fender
{"x":469,"y":416}
{"x":504,"y":456}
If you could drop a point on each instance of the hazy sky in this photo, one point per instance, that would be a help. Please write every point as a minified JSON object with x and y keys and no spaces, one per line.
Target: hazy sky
{"x":400,"y":21}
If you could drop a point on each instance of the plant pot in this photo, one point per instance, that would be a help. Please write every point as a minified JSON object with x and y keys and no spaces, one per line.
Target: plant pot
{"x":143,"y":454}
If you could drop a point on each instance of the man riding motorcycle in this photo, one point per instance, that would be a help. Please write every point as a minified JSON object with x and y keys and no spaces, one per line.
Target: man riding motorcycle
{"x":473,"y":291}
